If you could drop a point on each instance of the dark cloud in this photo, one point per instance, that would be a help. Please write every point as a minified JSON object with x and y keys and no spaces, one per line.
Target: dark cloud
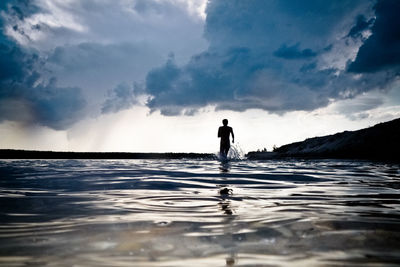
{"x":19,"y":8}
{"x":26,"y":95}
{"x":11,"y":67}
{"x":113,"y":62}
{"x":56,"y":107}
{"x":250,"y":64}
{"x":100,"y":67}
{"x":361,"y":25}
{"x":381,"y":51}
{"x":237,"y":79}
{"x":260,"y":22}
{"x":274,"y":55}
{"x":94,"y":45}
{"x":294,"y":52}
{"x":122,"y":97}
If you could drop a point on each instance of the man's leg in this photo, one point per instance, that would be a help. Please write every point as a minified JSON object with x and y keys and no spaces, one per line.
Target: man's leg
{"x":226,"y":150}
{"x":223,"y":150}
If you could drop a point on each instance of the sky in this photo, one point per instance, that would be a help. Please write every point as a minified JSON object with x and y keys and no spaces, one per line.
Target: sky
{"x":160,"y":75}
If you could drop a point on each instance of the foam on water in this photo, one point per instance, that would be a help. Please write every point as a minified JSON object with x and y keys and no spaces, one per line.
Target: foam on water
{"x":199,"y":212}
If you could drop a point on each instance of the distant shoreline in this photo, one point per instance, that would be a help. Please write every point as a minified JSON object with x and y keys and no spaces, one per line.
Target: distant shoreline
{"x":380,"y":142}
{"x":34,"y":154}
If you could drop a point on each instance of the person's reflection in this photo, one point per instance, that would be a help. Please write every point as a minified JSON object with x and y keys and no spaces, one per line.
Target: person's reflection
{"x":230,"y":261}
{"x":225,"y":203}
{"x":225,"y":167}
{"x":226,"y":207}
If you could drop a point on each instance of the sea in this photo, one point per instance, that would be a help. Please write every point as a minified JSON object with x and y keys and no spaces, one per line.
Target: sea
{"x":199,"y":212}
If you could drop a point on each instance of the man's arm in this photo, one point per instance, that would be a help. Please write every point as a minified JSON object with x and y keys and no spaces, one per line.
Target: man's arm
{"x":233,"y":136}
{"x":219,"y":132}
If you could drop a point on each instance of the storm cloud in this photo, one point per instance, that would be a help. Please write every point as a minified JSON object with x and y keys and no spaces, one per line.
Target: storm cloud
{"x":282,"y":56}
{"x":294,"y":52}
{"x":123,"y":96}
{"x":381,"y":51}
{"x":28,"y":93}
{"x":27,"y":97}
{"x":62,"y":61}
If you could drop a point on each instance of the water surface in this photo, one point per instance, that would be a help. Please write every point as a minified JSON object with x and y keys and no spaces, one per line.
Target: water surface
{"x":199,"y":212}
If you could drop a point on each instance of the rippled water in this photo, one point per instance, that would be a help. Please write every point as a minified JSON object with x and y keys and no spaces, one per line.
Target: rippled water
{"x":198,"y":213}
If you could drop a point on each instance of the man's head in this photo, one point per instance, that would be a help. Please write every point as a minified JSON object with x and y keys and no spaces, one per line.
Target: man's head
{"x":225,"y":122}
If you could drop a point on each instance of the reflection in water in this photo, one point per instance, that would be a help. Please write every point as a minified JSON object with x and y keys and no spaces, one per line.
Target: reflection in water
{"x":225,"y":166}
{"x":182,"y":213}
{"x":230,"y":261}
{"x":225,"y":206}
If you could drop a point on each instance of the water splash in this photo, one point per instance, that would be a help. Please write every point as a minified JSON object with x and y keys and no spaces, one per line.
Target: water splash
{"x":235,"y":153}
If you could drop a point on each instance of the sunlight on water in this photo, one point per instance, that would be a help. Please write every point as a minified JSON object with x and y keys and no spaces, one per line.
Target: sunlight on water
{"x":199,"y":212}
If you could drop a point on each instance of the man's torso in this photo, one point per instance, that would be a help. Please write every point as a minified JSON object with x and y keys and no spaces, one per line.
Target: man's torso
{"x":224,"y":132}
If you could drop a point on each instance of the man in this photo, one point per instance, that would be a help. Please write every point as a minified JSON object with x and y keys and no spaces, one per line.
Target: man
{"x":224,"y":133}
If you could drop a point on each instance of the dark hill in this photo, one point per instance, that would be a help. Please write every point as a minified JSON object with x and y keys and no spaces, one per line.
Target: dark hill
{"x":380,"y":142}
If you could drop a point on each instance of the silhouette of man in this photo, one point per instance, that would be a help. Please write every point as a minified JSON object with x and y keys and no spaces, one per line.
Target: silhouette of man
{"x":224,"y":133}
